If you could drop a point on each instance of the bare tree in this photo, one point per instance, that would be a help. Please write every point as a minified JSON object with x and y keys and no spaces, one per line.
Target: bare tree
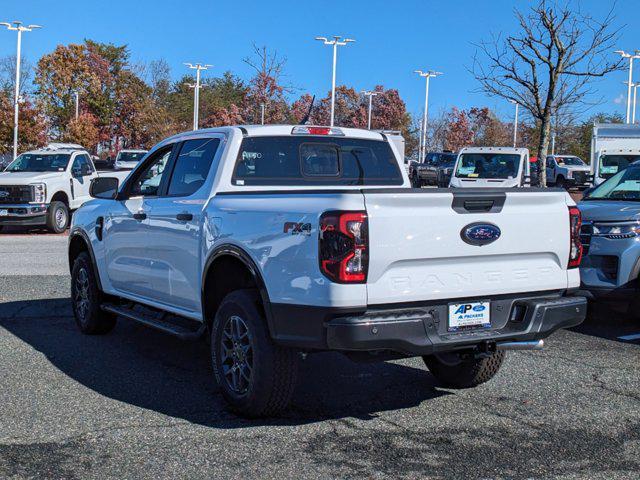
{"x":8,"y":74}
{"x":548,"y":67}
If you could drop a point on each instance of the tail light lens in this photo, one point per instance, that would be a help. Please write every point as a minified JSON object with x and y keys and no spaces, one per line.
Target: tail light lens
{"x":575,"y":248}
{"x":344,"y":251}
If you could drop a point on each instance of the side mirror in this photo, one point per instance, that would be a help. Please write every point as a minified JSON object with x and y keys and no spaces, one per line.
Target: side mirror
{"x":105,"y":188}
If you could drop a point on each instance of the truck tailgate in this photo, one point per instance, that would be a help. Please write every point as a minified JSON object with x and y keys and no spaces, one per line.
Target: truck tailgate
{"x":417,"y":251}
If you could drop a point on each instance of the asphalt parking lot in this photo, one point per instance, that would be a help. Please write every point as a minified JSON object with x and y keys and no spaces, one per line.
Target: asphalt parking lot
{"x":139,"y":404}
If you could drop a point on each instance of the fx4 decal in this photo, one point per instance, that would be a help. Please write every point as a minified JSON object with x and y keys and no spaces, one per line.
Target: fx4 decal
{"x":295,"y":228}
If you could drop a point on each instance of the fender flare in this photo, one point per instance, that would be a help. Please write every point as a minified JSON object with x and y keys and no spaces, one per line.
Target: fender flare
{"x":239,"y":254}
{"x":78,"y":232}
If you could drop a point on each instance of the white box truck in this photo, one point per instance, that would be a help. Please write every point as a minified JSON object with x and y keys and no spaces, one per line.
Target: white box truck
{"x":613,"y":147}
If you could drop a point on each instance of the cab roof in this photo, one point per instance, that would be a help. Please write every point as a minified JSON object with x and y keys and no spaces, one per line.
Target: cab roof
{"x":283,"y":130}
{"x":507,"y":150}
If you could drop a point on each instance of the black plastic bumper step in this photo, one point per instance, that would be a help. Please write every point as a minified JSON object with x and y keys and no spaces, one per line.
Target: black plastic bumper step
{"x":158,"y":320}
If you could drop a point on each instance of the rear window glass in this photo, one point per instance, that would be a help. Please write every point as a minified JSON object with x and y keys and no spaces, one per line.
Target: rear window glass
{"x":305,"y":160}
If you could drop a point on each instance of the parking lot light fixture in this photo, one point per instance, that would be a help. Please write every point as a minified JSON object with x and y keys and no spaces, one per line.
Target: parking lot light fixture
{"x":515,"y":124}
{"x":19,"y":28}
{"x":631,"y":57}
{"x":336,"y":42}
{"x":370,"y":94}
{"x":198,"y":67}
{"x":428,"y":75}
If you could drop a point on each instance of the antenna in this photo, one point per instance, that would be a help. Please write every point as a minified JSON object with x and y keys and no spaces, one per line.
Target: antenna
{"x":305,"y":120}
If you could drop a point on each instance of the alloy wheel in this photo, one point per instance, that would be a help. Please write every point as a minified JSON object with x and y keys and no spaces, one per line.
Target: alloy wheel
{"x":81,"y":294}
{"x":236,"y":355}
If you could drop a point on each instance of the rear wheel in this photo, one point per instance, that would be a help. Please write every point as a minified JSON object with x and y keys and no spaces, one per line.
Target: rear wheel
{"x":86,"y":299}
{"x":57,"y":217}
{"x":463,"y":371}
{"x":256,"y":376}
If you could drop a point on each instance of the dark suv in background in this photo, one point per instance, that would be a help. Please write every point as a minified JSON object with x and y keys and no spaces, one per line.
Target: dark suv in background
{"x":428,"y":172}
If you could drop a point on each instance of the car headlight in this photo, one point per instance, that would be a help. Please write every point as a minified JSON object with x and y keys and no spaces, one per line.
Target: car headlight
{"x":616,"y":230}
{"x":39,"y":192}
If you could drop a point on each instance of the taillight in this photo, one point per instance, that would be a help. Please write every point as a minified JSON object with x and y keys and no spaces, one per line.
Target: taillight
{"x":575,"y":247}
{"x":344,"y":240}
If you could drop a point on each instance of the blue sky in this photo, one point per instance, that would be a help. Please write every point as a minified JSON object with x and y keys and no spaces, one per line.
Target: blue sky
{"x":393,"y":39}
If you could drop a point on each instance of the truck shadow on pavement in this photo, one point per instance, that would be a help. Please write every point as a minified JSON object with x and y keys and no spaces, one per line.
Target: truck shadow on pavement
{"x":148,"y":369}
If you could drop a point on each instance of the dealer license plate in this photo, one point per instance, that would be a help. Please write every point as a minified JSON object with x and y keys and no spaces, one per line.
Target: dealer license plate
{"x":463,"y":316}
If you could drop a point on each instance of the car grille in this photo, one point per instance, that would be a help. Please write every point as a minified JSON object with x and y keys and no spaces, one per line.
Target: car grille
{"x":16,"y":194}
{"x":585,"y":237}
{"x":580,"y":177}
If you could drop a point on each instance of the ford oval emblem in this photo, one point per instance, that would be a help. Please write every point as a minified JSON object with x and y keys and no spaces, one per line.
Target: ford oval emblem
{"x":480,"y":234}
{"x":4,"y":194}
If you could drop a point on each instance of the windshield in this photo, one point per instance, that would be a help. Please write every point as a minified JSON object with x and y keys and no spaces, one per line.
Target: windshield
{"x":625,"y":185}
{"x":44,"y":162}
{"x":488,"y":165}
{"x":612,"y":164}
{"x":130,"y":156}
{"x":572,"y":161}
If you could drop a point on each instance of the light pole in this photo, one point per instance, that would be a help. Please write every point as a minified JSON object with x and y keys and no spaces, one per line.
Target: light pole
{"x":631,"y":58}
{"x":198,"y":67}
{"x":515,"y":124}
{"x":335,"y":43}
{"x":75,"y":94}
{"x":428,"y":75}
{"x":370,"y":94}
{"x":17,"y":26}
{"x":635,"y":97}
{"x":262,"y":113}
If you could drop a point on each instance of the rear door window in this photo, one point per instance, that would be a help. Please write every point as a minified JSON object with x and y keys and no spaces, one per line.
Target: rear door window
{"x":192,"y":166}
{"x":291,"y":160}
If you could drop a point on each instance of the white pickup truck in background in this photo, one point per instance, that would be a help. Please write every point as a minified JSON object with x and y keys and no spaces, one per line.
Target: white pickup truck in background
{"x":566,"y":171}
{"x":491,"y":167}
{"x":43,"y":187}
{"x":275,"y":240}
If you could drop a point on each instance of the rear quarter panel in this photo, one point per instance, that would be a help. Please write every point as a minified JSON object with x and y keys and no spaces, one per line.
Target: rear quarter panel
{"x":288,"y":262}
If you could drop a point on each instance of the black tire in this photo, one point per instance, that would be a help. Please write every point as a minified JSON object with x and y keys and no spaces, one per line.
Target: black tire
{"x":256,"y":376}
{"x":415,"y":181}
{"x":561,"y":182}
{"x":457,"y":371}
{"x":57,"y":217}
{"x":86,"y":298}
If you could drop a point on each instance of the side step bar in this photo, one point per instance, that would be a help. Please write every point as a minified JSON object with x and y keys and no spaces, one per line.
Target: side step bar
{"x":179,"y":331}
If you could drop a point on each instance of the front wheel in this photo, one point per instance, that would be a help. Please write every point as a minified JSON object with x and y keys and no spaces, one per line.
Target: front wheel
{"x":256,"y":376}
{"x":57,"y":217}
{"x":456,"y":370}
{"x":86,"y":299}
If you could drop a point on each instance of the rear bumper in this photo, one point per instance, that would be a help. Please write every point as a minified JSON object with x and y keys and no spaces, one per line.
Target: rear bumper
{"x":423,"y":330}
{"x":24,"y":214}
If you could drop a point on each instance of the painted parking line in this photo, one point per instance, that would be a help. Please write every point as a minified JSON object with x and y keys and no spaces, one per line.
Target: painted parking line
{"x":630,"y":338}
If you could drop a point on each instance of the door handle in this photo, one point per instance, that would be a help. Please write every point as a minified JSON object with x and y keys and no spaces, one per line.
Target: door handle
{"x":184,"y":217}
{"x":140,"y":216}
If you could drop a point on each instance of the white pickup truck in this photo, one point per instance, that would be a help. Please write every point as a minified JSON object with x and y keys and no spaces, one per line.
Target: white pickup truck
{"x":491,"y":167}
{"x":276,"y":240}
{"x":41,"y":187}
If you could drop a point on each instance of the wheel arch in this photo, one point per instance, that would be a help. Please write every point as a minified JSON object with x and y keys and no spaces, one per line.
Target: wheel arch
{"x":60,"y":196}
{"x":240,"y":271}
{"x":79,"y":242}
